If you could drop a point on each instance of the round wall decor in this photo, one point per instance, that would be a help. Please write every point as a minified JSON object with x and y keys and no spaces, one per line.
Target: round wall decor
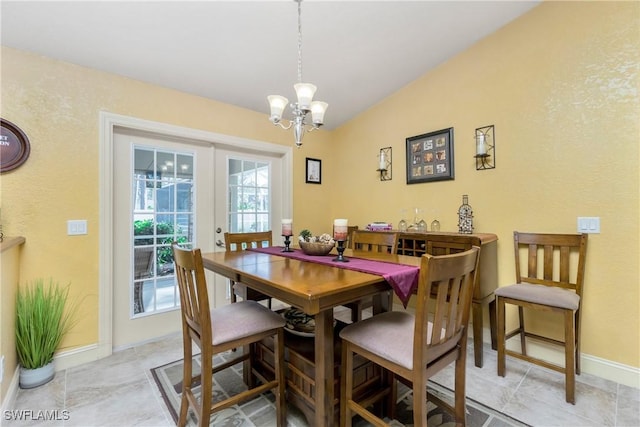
{"x":14,"y":146}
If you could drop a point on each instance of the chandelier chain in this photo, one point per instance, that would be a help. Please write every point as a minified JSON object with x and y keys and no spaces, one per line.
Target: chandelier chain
{"x":299,"y":41}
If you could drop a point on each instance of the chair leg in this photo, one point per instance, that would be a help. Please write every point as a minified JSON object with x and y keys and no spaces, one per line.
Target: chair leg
{"x":577,"y":329}
{"x":187,"y":375}
{"x":492,"y":324}
{"x":476,"y":311}
{"x":281,"y":404}
{"x":420,"y":402}
{"x":346,"y":385}
{"x":206,"y":392}
{"x":500,"y":325}
{"x":570,"y":354}
{"x":523,"y":339}
{"x":460,"y":390}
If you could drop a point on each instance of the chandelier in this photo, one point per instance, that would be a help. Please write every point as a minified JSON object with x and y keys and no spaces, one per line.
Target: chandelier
{"x":305,"y":104}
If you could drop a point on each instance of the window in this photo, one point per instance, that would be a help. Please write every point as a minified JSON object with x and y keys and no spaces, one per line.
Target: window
{"x":249,"y":196}
{"x":163,"y":212}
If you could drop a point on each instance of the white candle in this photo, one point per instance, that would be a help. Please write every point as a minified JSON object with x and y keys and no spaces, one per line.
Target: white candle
{"x":287,"y":227}
{"x":481,"y":147}
{"x":383,"y":163}
{"x":340,"y":229}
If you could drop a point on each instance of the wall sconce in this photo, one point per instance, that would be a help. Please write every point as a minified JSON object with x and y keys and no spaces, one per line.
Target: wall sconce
{"x":384,"y":164}
{"x":485,"y":148}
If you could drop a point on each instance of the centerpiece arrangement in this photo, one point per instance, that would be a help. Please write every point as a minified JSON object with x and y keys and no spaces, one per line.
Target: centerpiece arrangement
{"x":315,"y":245}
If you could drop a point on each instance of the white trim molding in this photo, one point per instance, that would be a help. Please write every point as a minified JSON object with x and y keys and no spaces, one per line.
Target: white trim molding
{"x":107,"y":123}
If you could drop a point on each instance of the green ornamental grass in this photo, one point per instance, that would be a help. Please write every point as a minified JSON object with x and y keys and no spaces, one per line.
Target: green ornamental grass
{"x":41,"y":322}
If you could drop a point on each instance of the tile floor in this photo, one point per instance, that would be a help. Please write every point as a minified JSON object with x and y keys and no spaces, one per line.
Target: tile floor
{"x":120,"y":391}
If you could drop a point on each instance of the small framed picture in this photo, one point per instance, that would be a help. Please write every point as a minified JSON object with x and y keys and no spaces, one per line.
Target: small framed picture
{"x":314,"y":171}
{"x":430,"y":157}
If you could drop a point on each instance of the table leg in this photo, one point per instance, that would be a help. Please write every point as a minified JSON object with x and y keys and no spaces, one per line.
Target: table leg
{"x":324,"y":351}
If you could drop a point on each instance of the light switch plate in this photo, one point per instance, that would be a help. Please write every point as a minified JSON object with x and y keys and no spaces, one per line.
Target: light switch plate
{"x":76,"y":227}
{"x":589,"y":224}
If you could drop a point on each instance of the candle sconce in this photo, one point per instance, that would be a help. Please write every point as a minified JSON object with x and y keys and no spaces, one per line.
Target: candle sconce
{"x":485,"y":148}
{"x":384,"y":164}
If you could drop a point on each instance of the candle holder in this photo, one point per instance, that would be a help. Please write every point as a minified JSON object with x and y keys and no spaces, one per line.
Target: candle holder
{"x":485,"y":148}
{"x":287,"y":242}
{"x":340,"y":249}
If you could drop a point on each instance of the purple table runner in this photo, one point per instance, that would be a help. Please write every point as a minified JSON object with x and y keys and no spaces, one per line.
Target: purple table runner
{"x":402,"y":278}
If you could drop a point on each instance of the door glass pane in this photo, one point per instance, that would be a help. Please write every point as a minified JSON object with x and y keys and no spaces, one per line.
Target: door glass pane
{"x":163,"y":212}
{"x":249,"y":197}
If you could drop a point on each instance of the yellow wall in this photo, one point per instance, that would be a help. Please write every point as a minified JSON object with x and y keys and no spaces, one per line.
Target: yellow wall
{"x":57,"y":105}
{"x":561,"y":87}
{"x":558,"y":84}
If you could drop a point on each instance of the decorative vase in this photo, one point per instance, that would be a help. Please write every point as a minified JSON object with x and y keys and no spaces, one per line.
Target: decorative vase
{"x":435,"y":225}
{"x":31,"y":378}
{"x":465,"y":216}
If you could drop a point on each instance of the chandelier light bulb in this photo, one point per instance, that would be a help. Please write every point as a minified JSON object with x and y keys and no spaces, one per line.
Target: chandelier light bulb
{"x":305,"y":92}
{"x":277,"y":104}
{"x":318,"y":108}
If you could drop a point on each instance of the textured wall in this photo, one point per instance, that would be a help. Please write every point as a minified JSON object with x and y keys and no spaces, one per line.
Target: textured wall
{"x":561,"y":86}
{"x":57,"y":104}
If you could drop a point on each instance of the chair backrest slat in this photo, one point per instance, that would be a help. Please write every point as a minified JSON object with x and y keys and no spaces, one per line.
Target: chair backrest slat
{"x":373,"y":241}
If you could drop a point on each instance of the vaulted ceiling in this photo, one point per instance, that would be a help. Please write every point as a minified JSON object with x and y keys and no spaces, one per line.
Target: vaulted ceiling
{"x":238,"y":52}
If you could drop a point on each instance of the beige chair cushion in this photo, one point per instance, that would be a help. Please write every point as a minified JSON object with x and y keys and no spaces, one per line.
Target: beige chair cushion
{"x":389,"y":335}
{"x":242,"y":319}
{"x":541,"y":294}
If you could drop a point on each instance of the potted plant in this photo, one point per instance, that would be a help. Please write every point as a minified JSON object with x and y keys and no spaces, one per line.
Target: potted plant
{"x":42,"y":320}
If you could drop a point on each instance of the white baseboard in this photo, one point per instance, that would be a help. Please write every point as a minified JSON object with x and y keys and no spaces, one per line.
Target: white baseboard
{"x":9,"y":399}
{"x":593,"y":365}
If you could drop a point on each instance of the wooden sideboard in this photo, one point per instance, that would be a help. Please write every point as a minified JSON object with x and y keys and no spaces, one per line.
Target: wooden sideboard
{"x":442,"y":243}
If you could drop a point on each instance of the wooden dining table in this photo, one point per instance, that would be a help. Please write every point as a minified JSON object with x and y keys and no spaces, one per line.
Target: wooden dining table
{"x":315,"y":289}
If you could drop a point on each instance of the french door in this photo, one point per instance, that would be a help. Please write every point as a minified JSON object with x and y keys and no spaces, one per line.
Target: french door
{"x":177,"y":189}
{"x":161,"y":195}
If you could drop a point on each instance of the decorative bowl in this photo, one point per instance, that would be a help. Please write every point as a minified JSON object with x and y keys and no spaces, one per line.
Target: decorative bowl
{"x":316,"y":248}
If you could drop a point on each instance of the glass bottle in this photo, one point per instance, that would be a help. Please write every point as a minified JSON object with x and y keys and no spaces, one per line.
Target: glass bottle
{"x":403,"y":225}
{"x":465,"y":216}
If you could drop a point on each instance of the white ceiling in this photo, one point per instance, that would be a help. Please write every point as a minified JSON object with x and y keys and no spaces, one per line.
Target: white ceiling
{"x":238,"y":52}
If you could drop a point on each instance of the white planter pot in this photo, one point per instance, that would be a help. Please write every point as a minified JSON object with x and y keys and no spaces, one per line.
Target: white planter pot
{"x":31,"y":378}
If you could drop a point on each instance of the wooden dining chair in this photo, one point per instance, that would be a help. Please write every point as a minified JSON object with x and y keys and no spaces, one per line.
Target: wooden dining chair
{"x":372,"y":241}
{"x":240,"y":242}
{"x":350,"y":230}
{"x":219,"y":330}
{"x":553,"y":283}
{"x":414,"y":347}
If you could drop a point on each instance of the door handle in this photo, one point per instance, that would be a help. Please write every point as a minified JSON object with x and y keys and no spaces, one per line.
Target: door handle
{"x":220,"y":243}
{"x":218,"y":230}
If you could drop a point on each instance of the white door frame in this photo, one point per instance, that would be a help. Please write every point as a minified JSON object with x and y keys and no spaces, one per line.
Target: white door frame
{"x":108,"y":121}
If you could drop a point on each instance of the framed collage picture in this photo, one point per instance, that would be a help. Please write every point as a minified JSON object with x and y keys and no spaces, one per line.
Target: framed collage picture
{"x":430,"y":157}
